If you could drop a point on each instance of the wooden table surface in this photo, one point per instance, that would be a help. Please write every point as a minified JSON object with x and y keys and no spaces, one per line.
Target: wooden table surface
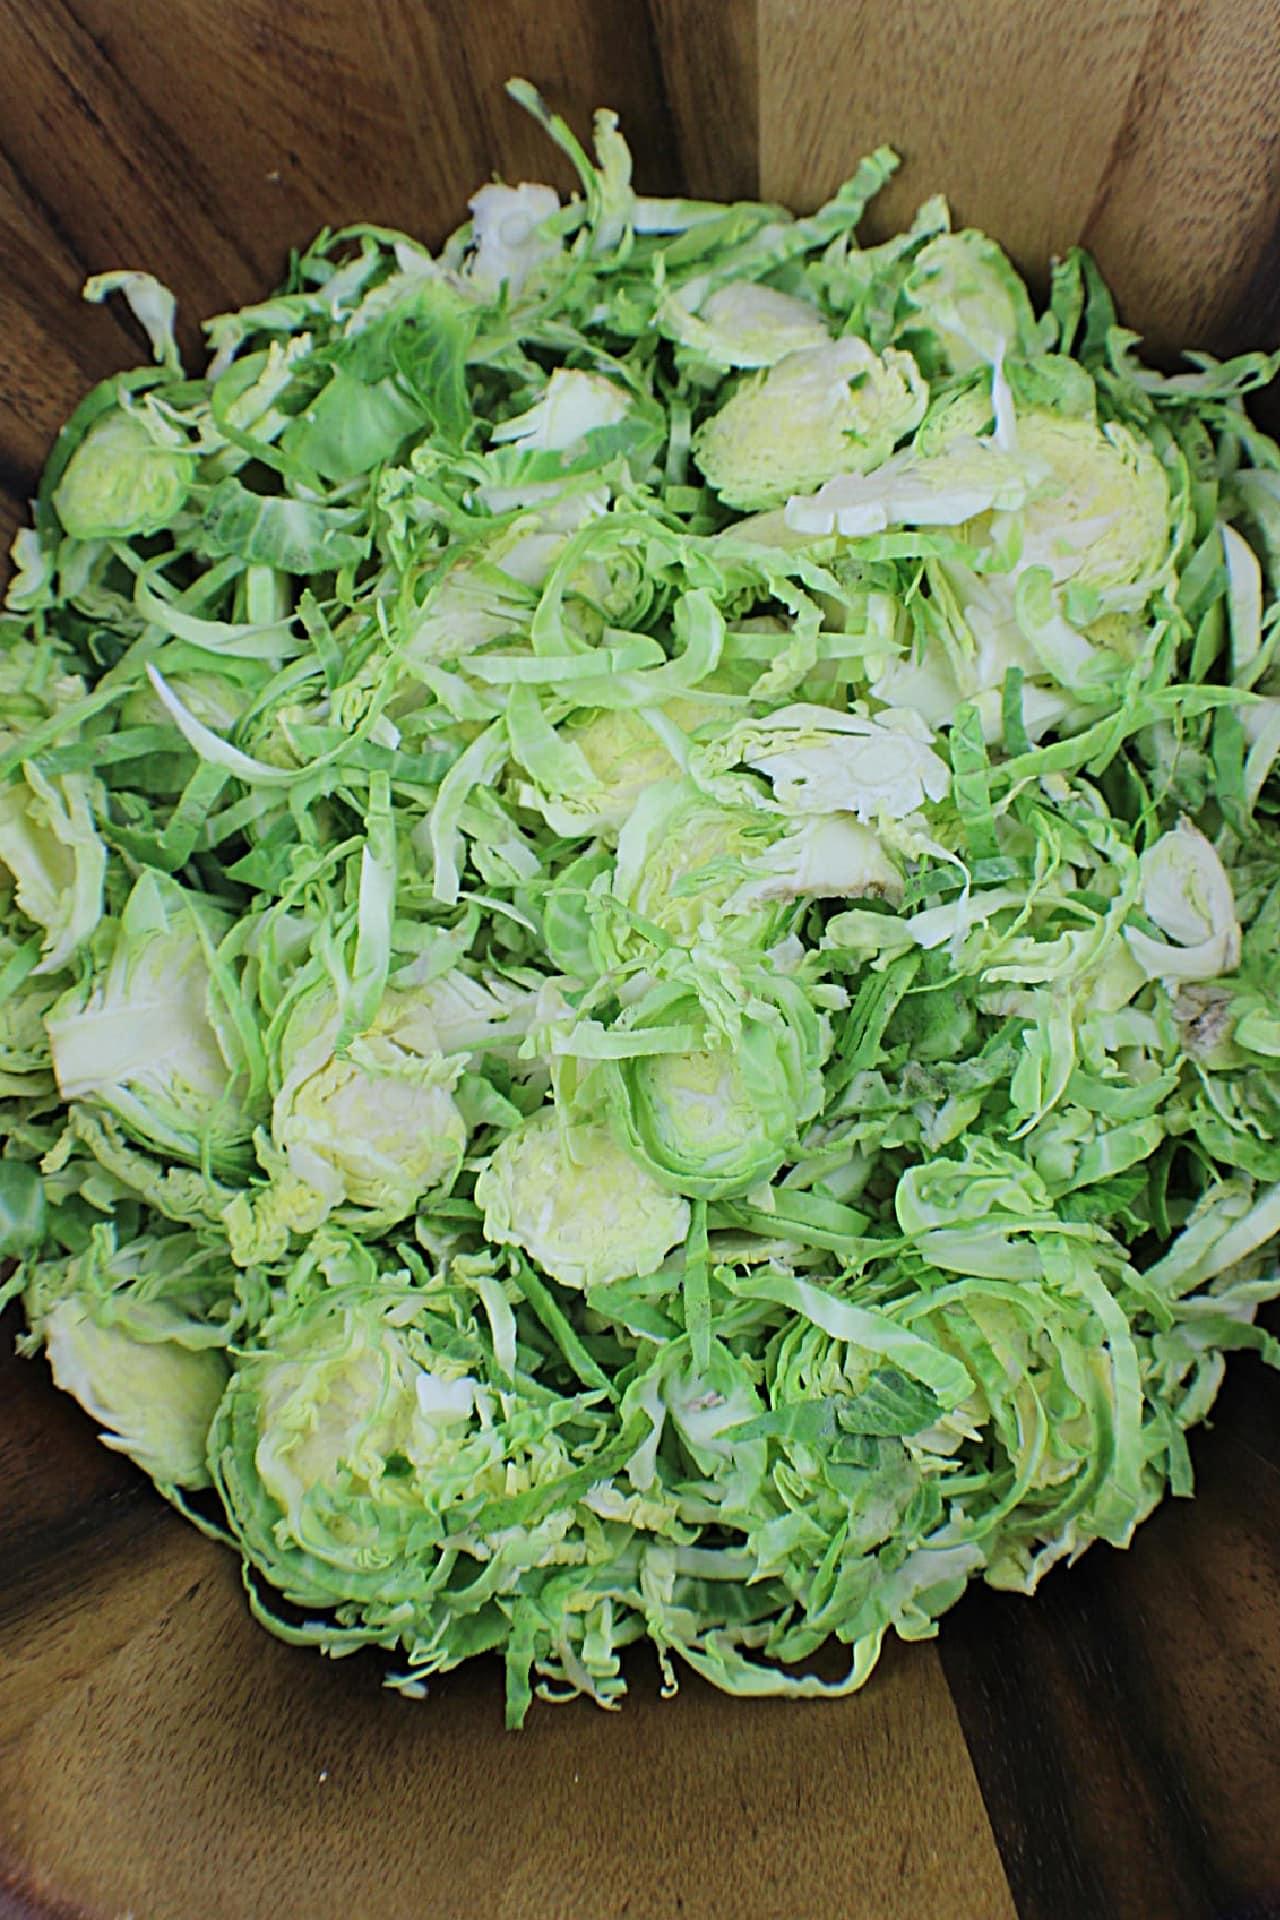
{"x":1109,"y":1751}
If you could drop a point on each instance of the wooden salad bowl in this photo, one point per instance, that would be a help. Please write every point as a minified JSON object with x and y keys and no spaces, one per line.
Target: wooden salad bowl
{"x":1111,"y":1749}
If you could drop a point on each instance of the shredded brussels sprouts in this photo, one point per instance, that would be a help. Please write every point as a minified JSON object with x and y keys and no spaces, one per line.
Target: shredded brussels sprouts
{"x":639,"y":914}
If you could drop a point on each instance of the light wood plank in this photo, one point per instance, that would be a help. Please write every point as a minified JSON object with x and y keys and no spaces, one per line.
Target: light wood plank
{"x":246,"y":1778}
{"x":1145,"y":130}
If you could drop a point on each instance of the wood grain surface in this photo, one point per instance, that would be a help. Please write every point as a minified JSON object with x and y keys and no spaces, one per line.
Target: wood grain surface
{"x":160,"y":1755}
{"x":1143,"y":129}
{"x":1108,"y":1752}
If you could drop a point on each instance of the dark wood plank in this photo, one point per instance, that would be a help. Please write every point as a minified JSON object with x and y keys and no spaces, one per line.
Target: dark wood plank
{"x":52,"y":1470}
{"x":52,"y":346}
{"x":1125,"y":1723}
{"x":709,"y":55}
{"x":90,"y":1550}
{"x":203,"y":143}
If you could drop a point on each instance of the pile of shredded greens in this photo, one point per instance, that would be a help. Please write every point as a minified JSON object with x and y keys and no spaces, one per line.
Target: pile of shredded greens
{"x":638,"y":954}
